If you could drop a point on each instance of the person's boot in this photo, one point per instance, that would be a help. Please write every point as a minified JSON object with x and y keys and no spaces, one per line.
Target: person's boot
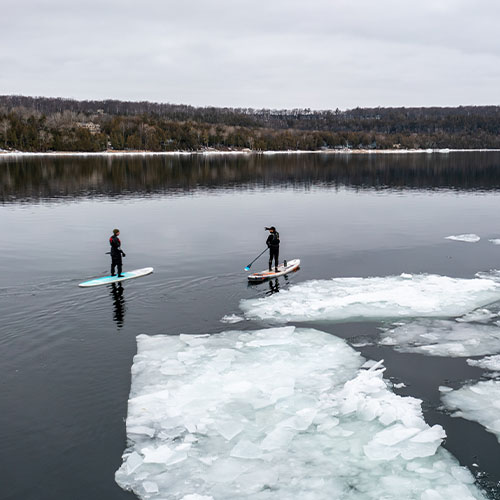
{"x":275,"y":269}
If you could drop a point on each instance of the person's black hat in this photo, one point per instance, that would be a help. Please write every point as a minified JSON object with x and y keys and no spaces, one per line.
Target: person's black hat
{"x":272,"y":228}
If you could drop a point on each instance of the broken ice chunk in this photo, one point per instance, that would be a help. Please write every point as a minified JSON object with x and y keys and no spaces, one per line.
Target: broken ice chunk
{"x":478,"y":315}
{"x":163,"y":455}
{"x":479,"y":402}
{"x":231,"y":318}
{"x":488,"y":363}
{"x":172,"y":367}
{"x":195,"y":496}
{"x":141,"y":429}
{"x":157,"y":455}
{"x":238,"y":387}
{"x":225,"y":470}
{"x":150,"y":487}
{"x":467,"y":238}
{"x":278,"y":438}
{"x":246,"y":449}
{"x":301,"y":421}
{"x":193,"y":340}
{"x":228,"y":428}
{"x":133,"y":462}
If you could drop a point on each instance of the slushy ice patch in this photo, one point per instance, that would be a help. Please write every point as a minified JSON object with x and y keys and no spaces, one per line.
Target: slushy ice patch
{"x":405,"y":296}
{"x":478,"y":402}
{"x":277,"y":414}
{"x":436,"y":337}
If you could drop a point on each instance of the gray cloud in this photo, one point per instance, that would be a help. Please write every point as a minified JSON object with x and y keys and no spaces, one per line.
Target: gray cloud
{"x":319,"y":54}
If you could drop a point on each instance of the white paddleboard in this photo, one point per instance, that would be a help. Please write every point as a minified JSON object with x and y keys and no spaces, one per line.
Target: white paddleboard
{"x":107,"y":280}
{"x":291,"y":266}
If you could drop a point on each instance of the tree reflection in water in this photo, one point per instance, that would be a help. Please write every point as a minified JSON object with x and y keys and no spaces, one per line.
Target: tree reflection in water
{"x":62,"y":178}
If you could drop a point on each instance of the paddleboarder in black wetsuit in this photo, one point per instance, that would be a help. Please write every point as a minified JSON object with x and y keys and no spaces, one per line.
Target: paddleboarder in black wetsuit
{"x":273,"y":243}
{"x":116,"y":253}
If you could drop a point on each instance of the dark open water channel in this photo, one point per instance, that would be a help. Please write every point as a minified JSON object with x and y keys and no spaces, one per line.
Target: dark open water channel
{"x":66,"y":353}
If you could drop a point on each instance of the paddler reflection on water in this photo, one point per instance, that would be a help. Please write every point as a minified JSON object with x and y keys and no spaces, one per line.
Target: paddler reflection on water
{"x":118,"y":304}
{"x":116,"y":253}
{"x":273,"y":243}
{"x":274,"y":286}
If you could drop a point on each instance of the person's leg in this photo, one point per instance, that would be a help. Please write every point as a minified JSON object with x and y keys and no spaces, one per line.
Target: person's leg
{"x":119,"y":265}
{"x":276,"y":258}
{"x":270,"y":258}
{"x":113,"y":264}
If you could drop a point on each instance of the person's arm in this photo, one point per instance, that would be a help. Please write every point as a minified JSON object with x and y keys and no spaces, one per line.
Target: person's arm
{"x":269,"y":239}
{"x":120,"y":247}
{"x":118,"y":244}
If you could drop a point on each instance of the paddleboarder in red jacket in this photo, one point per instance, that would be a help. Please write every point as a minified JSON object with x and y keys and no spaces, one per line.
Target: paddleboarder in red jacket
{"x":116,"y":253}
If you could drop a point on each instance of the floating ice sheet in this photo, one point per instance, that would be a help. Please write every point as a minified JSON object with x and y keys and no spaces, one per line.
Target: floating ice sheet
{"x":467,"y":238}
{"x":479,"y":316}
{"x":279,"y":413}
{"x":478,"y":402}
{"x":231,"y":318}
{"x":444,"y":338}
{"x":488,"y":363}
{"x":339,"y":299}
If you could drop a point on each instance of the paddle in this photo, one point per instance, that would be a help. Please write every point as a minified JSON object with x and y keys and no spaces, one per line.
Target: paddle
{"x":250,"y":265}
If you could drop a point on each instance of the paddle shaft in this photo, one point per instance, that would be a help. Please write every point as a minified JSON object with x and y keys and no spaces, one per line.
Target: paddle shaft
{"x":260,"y":254}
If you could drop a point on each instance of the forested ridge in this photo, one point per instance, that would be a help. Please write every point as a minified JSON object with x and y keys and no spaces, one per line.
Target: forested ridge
{"x":57,"y":124}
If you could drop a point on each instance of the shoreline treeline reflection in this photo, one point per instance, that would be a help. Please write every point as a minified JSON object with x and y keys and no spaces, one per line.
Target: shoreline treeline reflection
{"x":35,"y":179}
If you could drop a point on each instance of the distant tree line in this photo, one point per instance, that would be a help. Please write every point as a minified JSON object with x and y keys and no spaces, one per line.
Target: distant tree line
{"x":55,"y":124}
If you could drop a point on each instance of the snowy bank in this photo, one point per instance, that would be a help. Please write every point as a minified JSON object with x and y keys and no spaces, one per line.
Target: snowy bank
{"x":10,"y":154}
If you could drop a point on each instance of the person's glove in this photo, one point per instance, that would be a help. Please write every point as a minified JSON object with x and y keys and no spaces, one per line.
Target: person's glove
{"x":123,"y":253}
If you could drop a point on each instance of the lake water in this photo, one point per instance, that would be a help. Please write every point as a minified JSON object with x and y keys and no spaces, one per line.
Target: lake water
{"x":66,"y":352}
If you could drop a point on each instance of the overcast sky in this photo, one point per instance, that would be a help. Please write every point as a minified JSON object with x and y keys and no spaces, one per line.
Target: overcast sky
{"x":275,"y":53}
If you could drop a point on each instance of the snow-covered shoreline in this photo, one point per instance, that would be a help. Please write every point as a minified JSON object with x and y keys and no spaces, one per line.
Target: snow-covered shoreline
{"x":11,"y":154}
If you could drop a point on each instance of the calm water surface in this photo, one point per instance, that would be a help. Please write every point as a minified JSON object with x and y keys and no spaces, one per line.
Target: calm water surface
{"x":66,"y":353}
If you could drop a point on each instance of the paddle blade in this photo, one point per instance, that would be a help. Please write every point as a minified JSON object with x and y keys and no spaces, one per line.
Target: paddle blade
{"x":247,"y":268}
